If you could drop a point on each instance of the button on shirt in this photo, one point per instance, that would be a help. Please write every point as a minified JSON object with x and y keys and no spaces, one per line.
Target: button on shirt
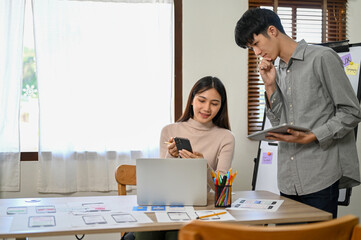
{"x":313,"y":91}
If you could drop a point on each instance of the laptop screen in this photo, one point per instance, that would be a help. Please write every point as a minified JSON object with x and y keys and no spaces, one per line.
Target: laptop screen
{"x":173,"y":181}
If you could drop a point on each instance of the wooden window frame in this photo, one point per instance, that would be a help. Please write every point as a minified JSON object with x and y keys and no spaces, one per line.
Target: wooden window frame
{"x":333,"y":29}
{"x":178,"y":71}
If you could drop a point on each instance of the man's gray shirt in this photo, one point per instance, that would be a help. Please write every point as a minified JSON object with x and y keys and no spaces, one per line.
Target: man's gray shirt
{"x":313,"y":91}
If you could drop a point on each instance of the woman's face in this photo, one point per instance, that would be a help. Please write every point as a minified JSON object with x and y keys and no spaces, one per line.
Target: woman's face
{"x":206,"y":105}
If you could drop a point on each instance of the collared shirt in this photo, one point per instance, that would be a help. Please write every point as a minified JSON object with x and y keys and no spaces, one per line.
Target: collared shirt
{"x":313,"y":91}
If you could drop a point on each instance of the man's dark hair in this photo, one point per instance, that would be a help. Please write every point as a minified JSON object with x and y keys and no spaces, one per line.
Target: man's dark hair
{"x":255,"y":21}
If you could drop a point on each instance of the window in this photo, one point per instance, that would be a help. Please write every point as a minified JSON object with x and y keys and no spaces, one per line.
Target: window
{"x":29,"y":100}
{"x":315,"y":21}
{"x":29,"y":111}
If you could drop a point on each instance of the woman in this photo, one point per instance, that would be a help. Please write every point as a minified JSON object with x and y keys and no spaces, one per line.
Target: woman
{"x":205,"y":123}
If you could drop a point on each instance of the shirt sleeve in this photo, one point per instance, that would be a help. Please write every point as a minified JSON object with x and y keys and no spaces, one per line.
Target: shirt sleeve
{"x":347,"y":109}
{"x":274,"y":108}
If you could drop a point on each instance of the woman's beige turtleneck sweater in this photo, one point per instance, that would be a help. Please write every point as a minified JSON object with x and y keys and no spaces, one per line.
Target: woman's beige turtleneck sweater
{"x":215,"y":143}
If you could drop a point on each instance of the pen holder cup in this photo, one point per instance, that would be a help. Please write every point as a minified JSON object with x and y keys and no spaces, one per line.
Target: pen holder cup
{"x":223,"y":196}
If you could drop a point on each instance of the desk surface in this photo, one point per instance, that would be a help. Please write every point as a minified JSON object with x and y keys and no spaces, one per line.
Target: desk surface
{"x":289,"y":211}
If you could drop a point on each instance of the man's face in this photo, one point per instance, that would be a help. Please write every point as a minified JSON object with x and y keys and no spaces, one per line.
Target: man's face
{"x":264,"y":46}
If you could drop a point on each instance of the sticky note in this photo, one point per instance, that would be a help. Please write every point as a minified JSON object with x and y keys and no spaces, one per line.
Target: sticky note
{"x":346,"y":59}
{"x":158,"y":208}
{"x":352,"y":69}
{"x":140,"y":208}
{"x":267,"y":158}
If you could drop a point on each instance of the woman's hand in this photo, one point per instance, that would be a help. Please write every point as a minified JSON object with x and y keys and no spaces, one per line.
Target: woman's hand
{"x":187,"y":154}
{"x":172,"y":148}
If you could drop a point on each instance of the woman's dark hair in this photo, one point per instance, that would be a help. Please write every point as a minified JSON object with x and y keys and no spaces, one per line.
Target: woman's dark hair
{"x":202,"y":85}
{"x":255,"y":21}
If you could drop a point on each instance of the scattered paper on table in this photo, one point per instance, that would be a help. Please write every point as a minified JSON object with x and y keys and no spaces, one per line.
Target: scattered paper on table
{"x":185,"y":216}
{"x":108,"y":218}
{"x":16,"y":210}
{"x":34,"y":222}
{"x":268,"y":205}
{"x":222,"y":217}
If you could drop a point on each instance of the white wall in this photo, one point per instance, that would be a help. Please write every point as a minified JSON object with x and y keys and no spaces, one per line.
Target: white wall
{"x":209,"y":49}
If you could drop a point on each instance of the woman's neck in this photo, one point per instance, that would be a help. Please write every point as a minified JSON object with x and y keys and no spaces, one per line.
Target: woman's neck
{"x":200,"y":125}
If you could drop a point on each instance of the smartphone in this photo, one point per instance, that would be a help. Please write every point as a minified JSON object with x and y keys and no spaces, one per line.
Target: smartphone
{"x":183,"y":143}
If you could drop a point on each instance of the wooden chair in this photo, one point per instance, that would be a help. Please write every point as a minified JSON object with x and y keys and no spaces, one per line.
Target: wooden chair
{"x":125,"y":175}
{"x":356,"y":235}
{"x":337,"y":229}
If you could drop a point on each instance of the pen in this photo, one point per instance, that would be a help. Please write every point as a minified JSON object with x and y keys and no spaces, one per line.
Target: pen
{"x":224,"y":180}
{"x":211,"y":215}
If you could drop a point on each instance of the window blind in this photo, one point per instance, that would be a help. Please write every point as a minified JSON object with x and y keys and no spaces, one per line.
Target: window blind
{"x":316,"y":21}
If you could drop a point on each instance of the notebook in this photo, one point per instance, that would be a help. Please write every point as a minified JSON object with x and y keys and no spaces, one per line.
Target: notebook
{"x":174,"y":181}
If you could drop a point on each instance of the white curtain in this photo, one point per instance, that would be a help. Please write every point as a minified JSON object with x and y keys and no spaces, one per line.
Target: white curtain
{"x":11,"y":50}
{"x":105,"y":74}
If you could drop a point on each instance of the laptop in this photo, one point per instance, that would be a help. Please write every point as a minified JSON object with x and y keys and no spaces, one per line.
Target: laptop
{"x":173,"y":181}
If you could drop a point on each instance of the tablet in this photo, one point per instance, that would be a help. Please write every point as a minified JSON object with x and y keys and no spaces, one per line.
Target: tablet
{"x":261,"y":135}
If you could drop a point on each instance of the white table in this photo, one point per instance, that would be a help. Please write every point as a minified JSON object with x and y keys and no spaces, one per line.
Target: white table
{"x":290,"y":211}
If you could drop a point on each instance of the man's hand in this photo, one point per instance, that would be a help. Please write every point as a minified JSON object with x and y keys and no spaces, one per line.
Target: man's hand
{"x":293,"y":137}
{"x":268,"y":74}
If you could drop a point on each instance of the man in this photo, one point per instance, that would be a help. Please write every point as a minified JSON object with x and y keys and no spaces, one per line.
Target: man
{"x":309,"y":88}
